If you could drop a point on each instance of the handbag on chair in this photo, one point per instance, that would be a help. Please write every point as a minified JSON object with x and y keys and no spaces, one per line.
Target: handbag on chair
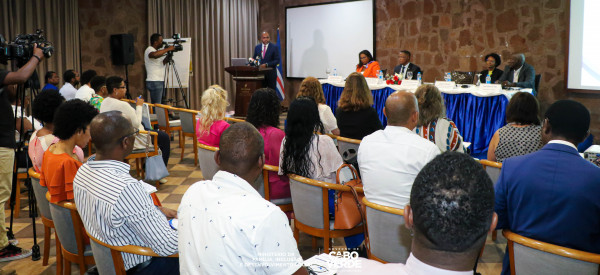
{"x":155,"y":166}
{"x":349,"y":211}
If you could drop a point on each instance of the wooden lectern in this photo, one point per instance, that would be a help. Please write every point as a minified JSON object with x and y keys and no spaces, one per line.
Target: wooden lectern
{"x":247,"y":80}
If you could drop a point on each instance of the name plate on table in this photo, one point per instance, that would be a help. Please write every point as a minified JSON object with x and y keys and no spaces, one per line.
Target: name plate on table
{"x":337,"y":78}
{"x":445,"y":85}
{"x":491,"y":88}
{"x":409,"y":84}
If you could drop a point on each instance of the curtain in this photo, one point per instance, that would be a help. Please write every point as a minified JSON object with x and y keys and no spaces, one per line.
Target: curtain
{"x":220,"y":30}
{"x":60,"y":22}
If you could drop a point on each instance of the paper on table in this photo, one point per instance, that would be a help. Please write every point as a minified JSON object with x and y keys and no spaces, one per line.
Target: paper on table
{"x":327,"y":264}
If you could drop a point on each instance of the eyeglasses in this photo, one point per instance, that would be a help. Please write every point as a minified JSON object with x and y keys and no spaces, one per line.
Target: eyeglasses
{"x":135,"y":133}
{"x":121,"y":87}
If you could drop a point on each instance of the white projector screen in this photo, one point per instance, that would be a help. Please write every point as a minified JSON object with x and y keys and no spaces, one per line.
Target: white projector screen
{"x":584,"y":56}
{"x":327,"y":36}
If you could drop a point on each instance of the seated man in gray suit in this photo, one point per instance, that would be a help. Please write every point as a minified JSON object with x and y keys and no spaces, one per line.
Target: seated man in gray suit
{"x":406,"y":66}
{"x":519,"y":70}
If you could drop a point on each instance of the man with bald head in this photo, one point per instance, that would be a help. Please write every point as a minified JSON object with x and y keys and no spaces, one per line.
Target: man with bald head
{"x":269,"y":56}
{"x":518,"y":73}
{"x":116,"y":208}
{"x":225,"y":226}
{"x":390,"y":159}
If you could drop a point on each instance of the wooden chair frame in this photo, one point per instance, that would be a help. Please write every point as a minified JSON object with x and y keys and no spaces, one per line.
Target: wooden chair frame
{"x":383,"y":208}
{"x":192,"y":135}
{"x":140,"y":156}
{"x":168,"y":128}
{"x":21,"y":177}
{"x":270,"y":168}
{"x":512,"y":238}
{"x":325,"y":233}
{"x":232,"y":120}
{"x":48,"y":225}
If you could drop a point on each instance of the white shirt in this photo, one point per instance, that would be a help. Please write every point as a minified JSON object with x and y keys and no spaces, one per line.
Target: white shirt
{"x":516,"y":74}
{"x":413,"y":266}
{"x":134,"y":115}
{"x":155,"y":69}
{"x":389,"y":162}
{"x":226,"y":227}
{"x":563,"y":142}
{"x":68,"y":91}
{"x":85,"y":93}
{"x":323,"y":150}
{"x":327,"y":118}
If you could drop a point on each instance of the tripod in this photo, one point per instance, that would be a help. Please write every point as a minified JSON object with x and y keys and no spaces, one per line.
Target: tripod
{"x":171,"y":69}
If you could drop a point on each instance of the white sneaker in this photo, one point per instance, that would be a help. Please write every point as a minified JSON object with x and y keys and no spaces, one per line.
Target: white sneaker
{"x":163,"y":180}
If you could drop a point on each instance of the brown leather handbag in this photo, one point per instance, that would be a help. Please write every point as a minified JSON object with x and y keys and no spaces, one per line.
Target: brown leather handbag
{"x":349,"y":210}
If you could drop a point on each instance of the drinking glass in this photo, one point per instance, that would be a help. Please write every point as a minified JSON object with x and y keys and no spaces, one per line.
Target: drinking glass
{"x":409,"y":75}
{"x":478,"y":80}
{"x":327,"y":71}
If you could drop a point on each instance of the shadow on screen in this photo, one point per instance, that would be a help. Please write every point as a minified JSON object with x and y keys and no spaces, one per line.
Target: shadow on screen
{"x":315,"y":59}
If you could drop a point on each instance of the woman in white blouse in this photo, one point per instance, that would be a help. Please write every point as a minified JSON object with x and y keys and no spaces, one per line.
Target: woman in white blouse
{"x":311,"y":87}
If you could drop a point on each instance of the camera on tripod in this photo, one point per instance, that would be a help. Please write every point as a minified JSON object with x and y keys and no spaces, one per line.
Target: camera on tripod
{"x":176,"y":43}
{"x":21,"y":48}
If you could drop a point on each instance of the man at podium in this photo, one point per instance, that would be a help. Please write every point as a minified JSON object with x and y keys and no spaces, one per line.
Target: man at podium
{"x":269,"y":56}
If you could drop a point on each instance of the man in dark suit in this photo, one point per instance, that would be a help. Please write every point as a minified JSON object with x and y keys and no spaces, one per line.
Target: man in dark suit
{"x":406,"y":66}
{"x":269,"y":56}
{"x":519,"y":70}
{"x":552,"y":195}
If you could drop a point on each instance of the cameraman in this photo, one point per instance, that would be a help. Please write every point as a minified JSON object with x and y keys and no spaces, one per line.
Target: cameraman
{"x":8,"y":251}
{"x":155,"y":61}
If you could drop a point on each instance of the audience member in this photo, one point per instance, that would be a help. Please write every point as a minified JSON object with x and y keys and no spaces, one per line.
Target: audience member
{"x":98,"y":83}
{"x":85,"y":92}
{"x":355,"y":115}
{"x":263,"y":113}
{"x":390,"y":159}
{"x":552,"y":195}
{"x":406,"y":66}
{"x":115,"y":208}
{"x":52,"y":80}
{"x":433,"y":124}
{"x":44,"y":108}
{"x":303,"y":151}
{"x":518,"y":73}
{"x":451,"y":212}
{"x":211,"y":125}
{"x":311,"y":87}
{"x":522,"y":133}
{"x":367,"y":66}
{"x":225,"y":226}
{"x":492,"y":61}
{"x":21,"y":111}
{"x":59,"y":166}
{"x":68,"y":90}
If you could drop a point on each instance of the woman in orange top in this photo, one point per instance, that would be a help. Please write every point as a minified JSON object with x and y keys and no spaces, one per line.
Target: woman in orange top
{"x":366,"y":65}
{"x":60,"y":164}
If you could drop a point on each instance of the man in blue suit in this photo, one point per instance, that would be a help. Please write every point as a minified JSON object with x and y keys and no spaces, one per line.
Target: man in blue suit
{"x":269,"y":56}
{"x":518,"y":73}
{"x":553,"y":195}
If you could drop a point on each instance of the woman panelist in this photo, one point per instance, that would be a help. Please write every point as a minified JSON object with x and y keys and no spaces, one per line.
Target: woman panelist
{"x":366,"y":65}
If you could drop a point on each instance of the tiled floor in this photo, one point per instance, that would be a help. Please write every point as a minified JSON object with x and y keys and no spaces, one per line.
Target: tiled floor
{"x":182,"y":175}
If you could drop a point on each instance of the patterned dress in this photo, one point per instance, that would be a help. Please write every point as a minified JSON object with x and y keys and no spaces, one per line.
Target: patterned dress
{"x":443,"y":133}
{"x":516,"y":141}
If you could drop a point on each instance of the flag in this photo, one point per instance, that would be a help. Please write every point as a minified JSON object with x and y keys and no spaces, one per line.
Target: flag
{"x":280,"y":89}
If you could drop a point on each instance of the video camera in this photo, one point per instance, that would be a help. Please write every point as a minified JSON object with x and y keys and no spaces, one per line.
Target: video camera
{"x":21,"y":49}
{"x":176,"y":43}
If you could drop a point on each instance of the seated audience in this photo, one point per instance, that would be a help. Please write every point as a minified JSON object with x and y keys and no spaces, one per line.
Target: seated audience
{"x":355,"y":115}
{"x":451,"y":212}
{"x":367,"y":66}
{"x":492,"y":61}
{"x":85,"y":92}
{"x":44,"y":107}
{"x":303,"y":151}
{"x":518,"y":73}
{"x":406,"y":66}
{"x":68,"y":90}
{"x":263,"y":113}
{"x":552,"y":195}
{"x":211,"y":125}
{"x":52,"y":80}
{"x":116,"y":91}
{"x":390,"y":159}
{"x":433,"y":124}
{"x":225,"y":226}
{"x":115,"y":208}
{"x":98,"y":83}
{"x":311,"y":87}
{"x":59,"y":166}
{"x":522,"y":134}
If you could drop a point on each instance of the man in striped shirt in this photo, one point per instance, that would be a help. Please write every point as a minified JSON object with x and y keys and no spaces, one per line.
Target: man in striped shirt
{"x":115,"y":208}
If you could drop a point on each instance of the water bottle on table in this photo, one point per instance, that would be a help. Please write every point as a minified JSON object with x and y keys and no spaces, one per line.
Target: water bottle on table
{"x":334,"y":71}
{"x":419,"y":77}
{"x":488,"y":79}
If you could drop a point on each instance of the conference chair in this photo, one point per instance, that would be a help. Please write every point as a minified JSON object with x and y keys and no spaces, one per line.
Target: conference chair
{"x":206,"y":160}
{"x":538,"y":77}
{"x":109,"y":259}
{"x":388,"y":240}
{"x":492,"y":168}
{"x":69,"y":229}
{"x":44,"y":206}
{"x":529,"y":256}
{"x":462,"y":77}
{"x":284,"y":204}
{"x":348,"y":148}
{"x":188,"y":129}
{"x":140,"y":154}
{"x":311,"y":209}
{"x":169,"y":126}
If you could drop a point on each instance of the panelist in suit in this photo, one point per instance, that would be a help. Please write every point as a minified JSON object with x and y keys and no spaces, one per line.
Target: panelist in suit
{"x":552,"y":195}
{"x":269,"y":56}
{"x":406,"y":66}
{"x":367,"y":66}
{"x":518,"y":73}
{"x":492,"y":61}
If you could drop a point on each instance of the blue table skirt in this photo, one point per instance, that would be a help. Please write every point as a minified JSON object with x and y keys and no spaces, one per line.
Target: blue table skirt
{"x":477,"y":118}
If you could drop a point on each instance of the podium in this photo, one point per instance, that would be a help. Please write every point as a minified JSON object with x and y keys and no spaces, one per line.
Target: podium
{"x":247,"y":80}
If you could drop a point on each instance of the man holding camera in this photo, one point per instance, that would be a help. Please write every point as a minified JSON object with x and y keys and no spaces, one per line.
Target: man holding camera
{"x":155,"y":61}
{"x":8,"y":250}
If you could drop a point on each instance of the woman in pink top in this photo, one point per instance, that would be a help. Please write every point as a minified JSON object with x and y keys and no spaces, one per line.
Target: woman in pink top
{"x":263,"y":113}
{"x":211,"y":125}
{"x":44,"y":106}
